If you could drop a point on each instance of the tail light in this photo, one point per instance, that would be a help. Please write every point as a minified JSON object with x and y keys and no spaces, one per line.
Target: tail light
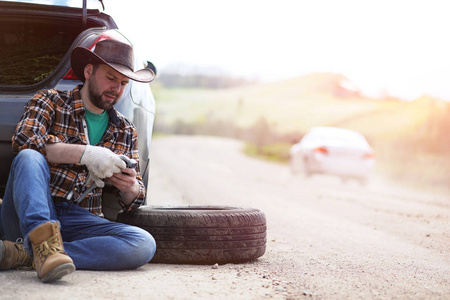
{"x":110,"y":34}
{"x":321,"y":150}
{"x":369,"y":155}
{"x":70,"y":75}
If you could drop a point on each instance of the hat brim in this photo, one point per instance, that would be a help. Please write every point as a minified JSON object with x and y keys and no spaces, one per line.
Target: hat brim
{"x":81,"y":57}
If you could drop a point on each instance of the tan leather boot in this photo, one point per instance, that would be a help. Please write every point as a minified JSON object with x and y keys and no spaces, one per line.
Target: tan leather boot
{"x":13,"y":256}
{"x":50,"y":260}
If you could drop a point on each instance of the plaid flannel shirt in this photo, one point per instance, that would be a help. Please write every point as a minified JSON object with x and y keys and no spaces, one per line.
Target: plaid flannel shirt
{"x":53,"y":116}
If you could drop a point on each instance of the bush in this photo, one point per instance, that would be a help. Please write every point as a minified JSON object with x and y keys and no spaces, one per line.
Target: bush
{"x":261,"y":139}
{"x":278,"y":152}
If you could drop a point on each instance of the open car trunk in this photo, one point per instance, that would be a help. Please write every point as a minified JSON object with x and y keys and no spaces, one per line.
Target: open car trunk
{"x":34,"y":39}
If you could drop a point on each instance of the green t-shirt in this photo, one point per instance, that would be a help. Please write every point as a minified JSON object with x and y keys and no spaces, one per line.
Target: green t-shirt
{"x":97,"y":125}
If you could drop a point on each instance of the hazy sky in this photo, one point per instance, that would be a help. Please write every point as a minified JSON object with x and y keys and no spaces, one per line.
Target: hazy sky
{"x":401,"y":47}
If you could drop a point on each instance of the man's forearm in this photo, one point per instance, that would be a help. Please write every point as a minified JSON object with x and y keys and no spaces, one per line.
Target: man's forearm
{"x":62,"y":153}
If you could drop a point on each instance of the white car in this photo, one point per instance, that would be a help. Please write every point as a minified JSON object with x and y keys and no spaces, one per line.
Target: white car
{"x":336,"y":151}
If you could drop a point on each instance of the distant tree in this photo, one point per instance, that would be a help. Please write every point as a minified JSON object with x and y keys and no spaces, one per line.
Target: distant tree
{"x":176,"y":80}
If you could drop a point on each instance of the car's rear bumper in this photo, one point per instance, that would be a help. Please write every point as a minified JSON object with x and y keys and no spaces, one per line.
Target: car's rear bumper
{"x":349,"y":167}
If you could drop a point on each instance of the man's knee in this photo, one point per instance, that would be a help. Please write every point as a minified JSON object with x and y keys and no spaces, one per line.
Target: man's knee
{"x":31,"y":159}
{"x":145,"y":247}
{"x":30,"y":155}
{"x":149,"y":246}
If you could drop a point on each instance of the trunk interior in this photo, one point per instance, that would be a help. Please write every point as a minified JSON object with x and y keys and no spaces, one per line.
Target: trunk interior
{"x":31,"y":49}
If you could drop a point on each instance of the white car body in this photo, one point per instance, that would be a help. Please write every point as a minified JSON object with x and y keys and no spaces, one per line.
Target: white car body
{"x":336,"y":151}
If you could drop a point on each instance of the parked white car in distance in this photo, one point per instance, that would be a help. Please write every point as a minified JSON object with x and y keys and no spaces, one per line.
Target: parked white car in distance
{"x":335,"y":151}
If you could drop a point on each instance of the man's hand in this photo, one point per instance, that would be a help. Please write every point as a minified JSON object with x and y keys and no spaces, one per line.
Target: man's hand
{"x":126,"y":182}
{"x":101,"y":163}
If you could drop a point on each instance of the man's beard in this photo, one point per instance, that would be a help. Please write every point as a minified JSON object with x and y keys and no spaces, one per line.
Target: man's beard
{"x":96,"y":98}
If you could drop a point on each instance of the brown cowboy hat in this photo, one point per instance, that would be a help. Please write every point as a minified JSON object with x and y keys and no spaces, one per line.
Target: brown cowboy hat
{"x":113,"y":53}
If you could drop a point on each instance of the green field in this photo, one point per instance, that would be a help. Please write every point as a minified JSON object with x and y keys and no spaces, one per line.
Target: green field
{"x":409,"y":137}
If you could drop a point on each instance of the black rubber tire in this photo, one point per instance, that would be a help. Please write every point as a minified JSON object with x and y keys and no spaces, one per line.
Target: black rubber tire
{"x":202,"y":234}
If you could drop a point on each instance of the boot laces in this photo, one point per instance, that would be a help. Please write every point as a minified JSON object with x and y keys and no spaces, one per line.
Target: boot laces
{"x":49,"y":247}
{"x":24,"y":261}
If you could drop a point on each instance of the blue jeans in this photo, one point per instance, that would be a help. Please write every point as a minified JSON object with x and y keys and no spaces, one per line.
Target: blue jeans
{"x":93,"y":243}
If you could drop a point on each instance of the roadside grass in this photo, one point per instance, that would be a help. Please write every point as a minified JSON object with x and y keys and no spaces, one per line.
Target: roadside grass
{"x":278,"y":152}
{"x":409,"y":138}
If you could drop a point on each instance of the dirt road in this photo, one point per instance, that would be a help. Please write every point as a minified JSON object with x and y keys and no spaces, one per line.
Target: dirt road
{"x":326,"y":240}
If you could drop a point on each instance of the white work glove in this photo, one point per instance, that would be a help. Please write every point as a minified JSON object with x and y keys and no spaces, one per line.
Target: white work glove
{"x":101,"y":163}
